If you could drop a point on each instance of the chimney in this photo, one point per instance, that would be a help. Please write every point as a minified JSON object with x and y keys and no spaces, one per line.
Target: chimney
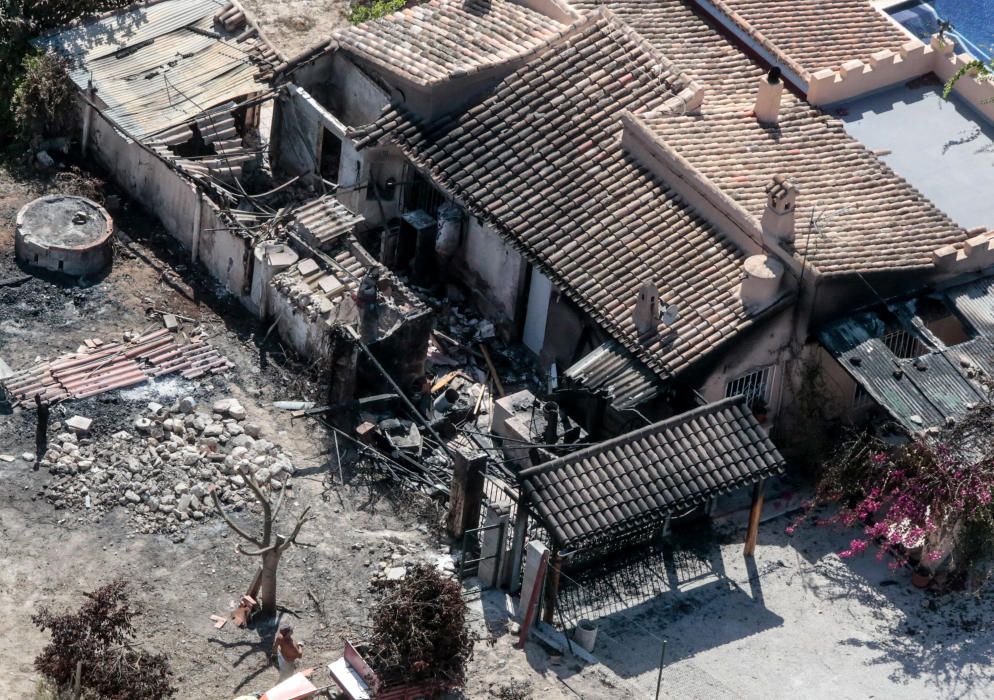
{"x":761,"y":285}
{"x":367,"y":302}
{"x":767,"y":109}
{"x":778,"y":219}
{"x":646,"y":314}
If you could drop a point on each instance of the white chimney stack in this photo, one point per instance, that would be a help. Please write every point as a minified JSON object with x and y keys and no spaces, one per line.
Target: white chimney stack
{"x":761,"y":286}
{"x":646,"y":314}
{"x":778,"y":219}
{"x":767,"y":109}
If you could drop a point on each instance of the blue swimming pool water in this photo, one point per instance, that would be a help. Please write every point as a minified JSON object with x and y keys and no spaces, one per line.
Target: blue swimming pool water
{"x":972,"y":20}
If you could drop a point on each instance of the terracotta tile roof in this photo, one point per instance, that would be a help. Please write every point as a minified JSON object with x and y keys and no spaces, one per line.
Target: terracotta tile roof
{"x":322,"y":221}
{"x":865,"y":217}
{"x":540,"y":160}
{"x":692,"y":40}
{"x":443,"y":39}
{"x":809,"y":35}
{"x":630,"y":484}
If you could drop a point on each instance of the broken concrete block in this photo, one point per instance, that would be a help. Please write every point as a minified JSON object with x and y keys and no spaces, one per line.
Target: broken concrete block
{"x":79,"y":424}
{"x":6,"y":458}
{"x":170,"y":322}
{"x":306,"y":267}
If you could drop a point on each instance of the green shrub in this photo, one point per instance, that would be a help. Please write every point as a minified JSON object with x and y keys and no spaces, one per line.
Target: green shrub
{"x":44,"y":99}
{"x":364,"y":11}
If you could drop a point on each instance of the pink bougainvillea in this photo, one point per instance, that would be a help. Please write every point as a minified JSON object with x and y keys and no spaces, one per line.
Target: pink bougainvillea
{"x":904,"y":498}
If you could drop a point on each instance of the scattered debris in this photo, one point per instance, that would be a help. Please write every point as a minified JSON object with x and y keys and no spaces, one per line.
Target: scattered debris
{"x":115,"y":366}
{"x":162,"y":469}
{"x":79,"y":424}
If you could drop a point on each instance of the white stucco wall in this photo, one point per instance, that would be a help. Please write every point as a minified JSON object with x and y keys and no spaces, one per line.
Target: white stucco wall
{"x":489,"y":260}
{"x":173,"y":200}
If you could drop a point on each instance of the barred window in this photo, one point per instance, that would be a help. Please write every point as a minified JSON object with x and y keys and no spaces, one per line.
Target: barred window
{"x":756,"y":385}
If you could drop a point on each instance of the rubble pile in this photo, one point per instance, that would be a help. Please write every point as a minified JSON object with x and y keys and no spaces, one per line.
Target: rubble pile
{"x":162,"y":469}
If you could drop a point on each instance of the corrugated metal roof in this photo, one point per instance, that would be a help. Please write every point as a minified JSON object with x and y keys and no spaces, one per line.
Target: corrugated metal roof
{"x":975,"y":302}
{"x":614,"y":372}
{"x":159,"y":65}
{"x":944,"y":382}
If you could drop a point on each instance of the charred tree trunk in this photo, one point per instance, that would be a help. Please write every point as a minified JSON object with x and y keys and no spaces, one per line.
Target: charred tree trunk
{"x":270,"y":546}
{"x":267,"y":587}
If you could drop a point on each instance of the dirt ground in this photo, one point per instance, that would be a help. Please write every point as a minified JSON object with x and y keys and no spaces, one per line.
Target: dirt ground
{"x":296,"y":25}
{"x":51,"y":556}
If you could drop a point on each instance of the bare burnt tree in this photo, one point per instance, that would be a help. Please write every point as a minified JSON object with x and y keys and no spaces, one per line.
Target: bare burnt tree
{"x":270,"y":545}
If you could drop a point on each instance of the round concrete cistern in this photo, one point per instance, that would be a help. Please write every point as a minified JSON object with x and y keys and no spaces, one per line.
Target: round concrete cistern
{"x":64,"y":233}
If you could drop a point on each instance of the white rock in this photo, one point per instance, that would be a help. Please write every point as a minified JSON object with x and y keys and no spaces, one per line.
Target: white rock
{"x":221,"y":406}
{"x":79,"y":424}
{"x":236,"y":411}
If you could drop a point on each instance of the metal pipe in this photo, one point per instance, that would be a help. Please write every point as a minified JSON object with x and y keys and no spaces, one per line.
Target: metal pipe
{"x":550,"y":410}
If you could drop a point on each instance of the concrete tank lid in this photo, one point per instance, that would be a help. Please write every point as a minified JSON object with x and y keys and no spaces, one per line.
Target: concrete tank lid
{"x":64,"y":221}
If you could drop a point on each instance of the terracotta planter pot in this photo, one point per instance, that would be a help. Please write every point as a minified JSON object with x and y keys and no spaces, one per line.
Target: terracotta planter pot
{"x":920,"y":580}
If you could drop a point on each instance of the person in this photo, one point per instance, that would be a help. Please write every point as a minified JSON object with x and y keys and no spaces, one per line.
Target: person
{"x":287,"y":651}
{"x":41,"y":433}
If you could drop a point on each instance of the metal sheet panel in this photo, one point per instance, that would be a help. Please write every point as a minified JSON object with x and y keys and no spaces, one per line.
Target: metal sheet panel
{"x":153,"y":67}
{"x":938,"y":379}
{"x":614,"y":371}
{"x":854,"y":344}
{"x":975,"y":302}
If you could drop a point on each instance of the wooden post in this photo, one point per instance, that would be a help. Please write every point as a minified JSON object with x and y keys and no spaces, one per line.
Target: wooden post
{"x":754,"y":515}
{"x":465,"y":493}
{"x":475,"y":477}
{"x":517,"y":547}
{"x":552,"y":589}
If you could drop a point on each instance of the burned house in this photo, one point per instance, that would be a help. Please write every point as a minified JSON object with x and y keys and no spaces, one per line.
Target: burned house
{"x":176,"y":103}
{"x":658,"y":227}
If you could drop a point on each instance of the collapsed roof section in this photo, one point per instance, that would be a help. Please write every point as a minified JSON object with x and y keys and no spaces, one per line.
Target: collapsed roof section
{"x":160,"y":64}
{"x":185,"y":78}
{"x":539,"y":160}
{"x":318,"y":282}
{"x":444,"y":39}
{"x":927,"y":360}
{"x":629,"y":486}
